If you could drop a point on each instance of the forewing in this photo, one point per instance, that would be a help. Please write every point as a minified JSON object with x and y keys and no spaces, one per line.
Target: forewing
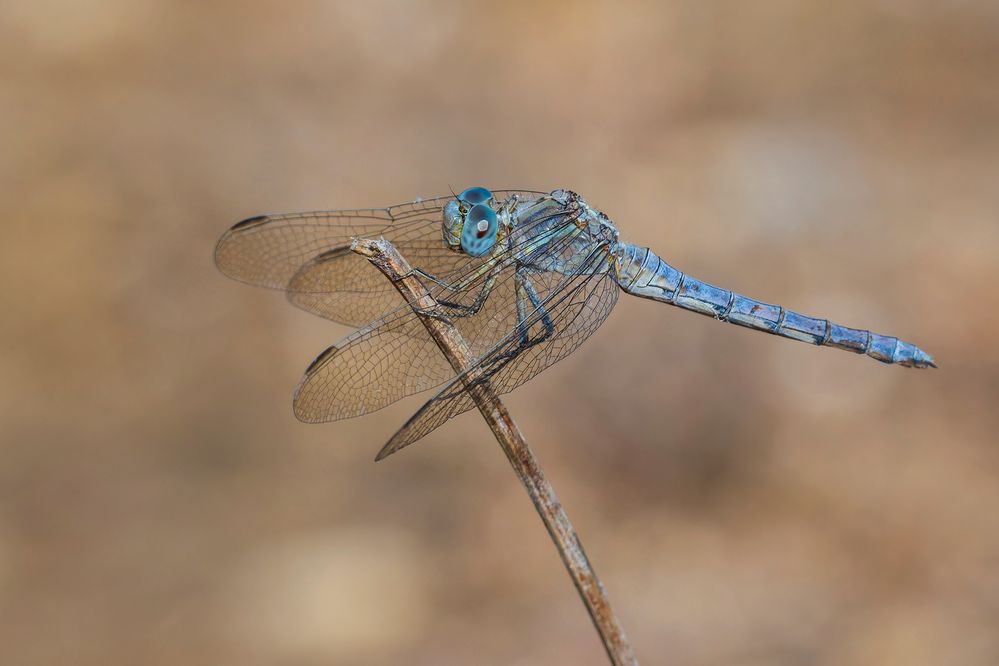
{"x":308,"y":255}
{"x":577,"y":305}
{"x":393,"y":356}
{"x":344,"y":287}
{"x":268,"y":250}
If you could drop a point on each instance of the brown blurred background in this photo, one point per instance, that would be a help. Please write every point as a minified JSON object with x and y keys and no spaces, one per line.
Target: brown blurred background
{"x":747,"y":500}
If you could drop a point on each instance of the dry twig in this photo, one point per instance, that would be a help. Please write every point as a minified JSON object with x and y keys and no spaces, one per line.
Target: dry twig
{"x":387,"y":259}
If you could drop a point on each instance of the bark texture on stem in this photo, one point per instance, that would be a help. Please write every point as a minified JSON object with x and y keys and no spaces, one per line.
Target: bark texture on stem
{"x":387,"y":259}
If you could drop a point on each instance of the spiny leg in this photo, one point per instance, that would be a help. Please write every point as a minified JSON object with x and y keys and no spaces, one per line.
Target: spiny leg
{"x":525,"y":289}
{"x":494,"y":265}
{"x":527,"y":296}
{"x":491,"y":269}
{"x":461,"y":285}
{"x":462,"y":310}
{"x":522,"y":300}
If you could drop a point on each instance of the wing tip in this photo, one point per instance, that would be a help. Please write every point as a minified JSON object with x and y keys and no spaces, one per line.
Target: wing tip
{"x":330,"y":255}
{"x":324,"y":355}
{"x":219,"y":251}
{"x":390,"y":447}
{"x":298,"y":400}
{"x":249,"y":222}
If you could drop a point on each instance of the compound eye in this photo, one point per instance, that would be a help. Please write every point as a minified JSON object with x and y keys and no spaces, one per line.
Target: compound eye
{"x":478,"y":235}
{"x":476,"y":195}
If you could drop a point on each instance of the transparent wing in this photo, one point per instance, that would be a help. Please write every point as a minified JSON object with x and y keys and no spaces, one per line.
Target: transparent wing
{"x":576,"y":304}
{"x":308,"y":255}
{"x":344,"y":287}
{"x":394,"y":356}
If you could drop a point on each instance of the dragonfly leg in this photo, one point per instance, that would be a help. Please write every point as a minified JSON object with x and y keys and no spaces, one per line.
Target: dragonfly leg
{"x":527,"y":294}
{"x":522,"y":301}
{"x":492,"y":271}
{"x":458,"y":286}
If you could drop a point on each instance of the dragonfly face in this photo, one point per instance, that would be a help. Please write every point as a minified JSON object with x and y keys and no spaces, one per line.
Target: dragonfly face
{"x":470,"y":224}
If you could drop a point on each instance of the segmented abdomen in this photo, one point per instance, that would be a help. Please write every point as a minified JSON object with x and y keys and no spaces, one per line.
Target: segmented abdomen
{"x":641,"y":272}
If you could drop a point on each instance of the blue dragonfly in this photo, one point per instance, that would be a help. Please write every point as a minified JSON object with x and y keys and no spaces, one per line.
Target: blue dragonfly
{"x":525,"y":277}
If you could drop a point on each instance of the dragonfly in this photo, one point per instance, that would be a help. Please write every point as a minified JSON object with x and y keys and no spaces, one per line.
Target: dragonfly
{"x":524,"y":276}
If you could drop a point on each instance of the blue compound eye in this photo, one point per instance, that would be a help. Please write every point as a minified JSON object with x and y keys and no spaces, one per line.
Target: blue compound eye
{"x":478,"y":234}
{"x":475,"y":195}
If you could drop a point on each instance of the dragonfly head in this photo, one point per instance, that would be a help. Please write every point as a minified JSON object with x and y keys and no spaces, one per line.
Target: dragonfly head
{"x":470,"y":224}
